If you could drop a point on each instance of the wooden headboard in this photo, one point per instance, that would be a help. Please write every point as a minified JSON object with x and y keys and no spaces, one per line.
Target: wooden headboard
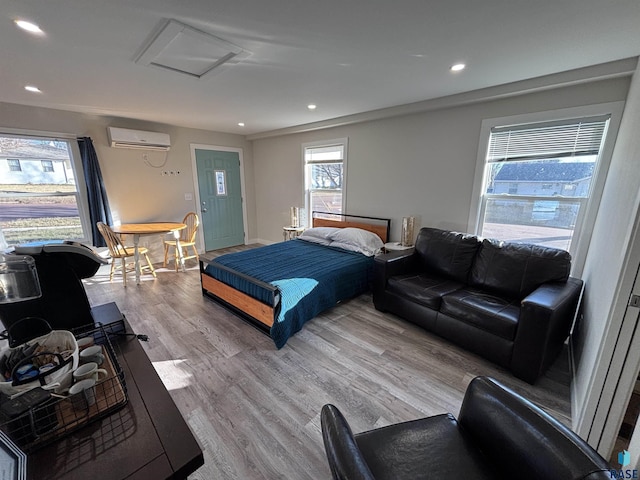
{"x":379,"y":226}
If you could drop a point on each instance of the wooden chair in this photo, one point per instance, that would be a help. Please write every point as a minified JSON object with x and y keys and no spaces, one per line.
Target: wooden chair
{"x":187,"y":239}
{"x":118,"y":250}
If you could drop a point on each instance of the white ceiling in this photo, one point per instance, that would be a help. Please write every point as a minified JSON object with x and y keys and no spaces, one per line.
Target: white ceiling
{"x":346,"y":56}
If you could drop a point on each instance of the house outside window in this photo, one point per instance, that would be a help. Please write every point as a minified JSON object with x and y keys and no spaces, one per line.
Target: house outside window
{"x":527,"y":167}
{"x":43,"y":200}
{"x":324,"y":169}
{"x":14,"y":165}
{"x":540,"y":181}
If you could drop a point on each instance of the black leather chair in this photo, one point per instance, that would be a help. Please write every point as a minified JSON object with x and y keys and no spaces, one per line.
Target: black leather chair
{"x":499,"y":435}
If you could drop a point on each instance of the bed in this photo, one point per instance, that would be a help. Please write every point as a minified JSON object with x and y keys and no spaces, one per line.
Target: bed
{"x":279,"y":287}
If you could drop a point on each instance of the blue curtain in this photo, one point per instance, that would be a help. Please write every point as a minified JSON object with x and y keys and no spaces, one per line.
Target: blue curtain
{"x":98,"y":203}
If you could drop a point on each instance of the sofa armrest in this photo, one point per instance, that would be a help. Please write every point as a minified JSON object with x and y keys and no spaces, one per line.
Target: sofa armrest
{"x":345,"y":459}
{"x":545,"y":319}
{"x":526,"y":442}
{"x":387,"y":266}
{"x":397,"y":262}
{"x":390,"y":264}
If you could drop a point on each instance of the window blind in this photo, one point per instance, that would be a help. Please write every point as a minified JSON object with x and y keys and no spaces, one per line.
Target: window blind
{"x":555,"y":140}
{"x":326,"y":154}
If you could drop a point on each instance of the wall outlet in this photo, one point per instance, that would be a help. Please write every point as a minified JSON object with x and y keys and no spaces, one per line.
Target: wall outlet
{"x":188,"y":197}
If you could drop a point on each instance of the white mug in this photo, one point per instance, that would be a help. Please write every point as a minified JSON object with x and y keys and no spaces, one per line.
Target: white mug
{"x":65,"y":383}
{"x":85,"y":343}
{"x":89,"y":370}
{"x":92,"y":354}
{"x":83,"y":394}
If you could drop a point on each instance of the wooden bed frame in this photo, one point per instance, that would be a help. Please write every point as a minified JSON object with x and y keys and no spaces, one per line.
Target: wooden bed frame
{"x":260,"y":314}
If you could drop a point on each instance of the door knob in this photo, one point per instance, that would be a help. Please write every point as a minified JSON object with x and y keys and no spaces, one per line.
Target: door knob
{"x":204,"y":210}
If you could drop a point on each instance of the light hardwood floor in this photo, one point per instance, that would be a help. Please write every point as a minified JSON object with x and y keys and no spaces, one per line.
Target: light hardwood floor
{"x":256,"y":410}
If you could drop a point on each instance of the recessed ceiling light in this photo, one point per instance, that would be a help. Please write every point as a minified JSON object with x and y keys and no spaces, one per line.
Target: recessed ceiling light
{"x":312,"y":106}
{"x":32,"y":88}
{"x":241,"y":124}
{"x":28,"y":26}
{"x":457,"y":67}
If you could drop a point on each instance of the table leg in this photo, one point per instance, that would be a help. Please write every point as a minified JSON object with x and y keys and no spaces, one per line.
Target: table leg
{"x":136,"y":257}
{"x":176,"y":235}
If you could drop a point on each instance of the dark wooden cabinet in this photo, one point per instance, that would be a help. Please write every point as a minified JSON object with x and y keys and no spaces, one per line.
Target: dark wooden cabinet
{"x":147,"y":439}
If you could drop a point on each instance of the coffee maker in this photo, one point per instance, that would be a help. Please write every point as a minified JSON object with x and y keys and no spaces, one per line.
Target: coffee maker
{"x":63,"y":302}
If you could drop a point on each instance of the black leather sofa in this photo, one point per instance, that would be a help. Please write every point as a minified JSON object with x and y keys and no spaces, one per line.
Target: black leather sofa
{"x":510,"y":303}
{"x":498,"y":435}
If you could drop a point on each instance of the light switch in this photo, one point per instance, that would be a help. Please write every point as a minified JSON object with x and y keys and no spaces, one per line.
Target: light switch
{"x":188,"y":197}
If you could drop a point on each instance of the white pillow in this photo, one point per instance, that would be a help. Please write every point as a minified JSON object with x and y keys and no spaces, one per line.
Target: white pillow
{"x":319,"y":241}
{"x":349,"y":247}
{"x":357,"y":240}
{"x":321,"y":235}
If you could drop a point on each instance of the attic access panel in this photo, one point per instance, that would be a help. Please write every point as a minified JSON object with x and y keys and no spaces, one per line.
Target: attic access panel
{"x":183,"y":49}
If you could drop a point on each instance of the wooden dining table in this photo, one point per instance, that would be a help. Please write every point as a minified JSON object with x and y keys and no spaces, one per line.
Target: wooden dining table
{"x":150,"y":228}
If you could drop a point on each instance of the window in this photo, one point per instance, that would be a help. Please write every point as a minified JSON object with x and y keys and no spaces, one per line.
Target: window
{"x":14,"y":165}
{"x":221,"y":182}
{"x":538,"y":179}
{"x":47,"y":166}
{"x":38,"y":207}
{"x":325,"y":177}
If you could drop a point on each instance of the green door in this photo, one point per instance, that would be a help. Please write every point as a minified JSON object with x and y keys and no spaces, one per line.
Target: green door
{"x":220,"y":198}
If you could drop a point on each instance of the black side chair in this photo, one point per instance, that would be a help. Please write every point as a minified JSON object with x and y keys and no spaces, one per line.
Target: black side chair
{"x":499,"y":435}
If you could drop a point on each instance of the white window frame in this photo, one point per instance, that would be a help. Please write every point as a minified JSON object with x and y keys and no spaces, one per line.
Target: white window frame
{"x":307,"y":193}
{"x":47,"y":166}
{"x":82,"y":200}
{"x":583,"y":230}
{"x":12,"y":166}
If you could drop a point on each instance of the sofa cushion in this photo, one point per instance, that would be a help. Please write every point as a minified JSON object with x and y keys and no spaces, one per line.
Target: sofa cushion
{"x":516,"y":270}
{"x":426,"y":290}
{"x":446,"y":253}
{"x":482,"y":310}
{"x":432,"y":447}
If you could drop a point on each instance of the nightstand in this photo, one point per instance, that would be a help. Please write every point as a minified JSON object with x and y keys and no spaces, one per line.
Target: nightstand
{"x":289,"y":233}
{"x":393,"y":246}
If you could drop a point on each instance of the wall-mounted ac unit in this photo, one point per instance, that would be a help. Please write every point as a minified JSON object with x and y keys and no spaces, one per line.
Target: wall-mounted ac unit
{"x":138,"y":139}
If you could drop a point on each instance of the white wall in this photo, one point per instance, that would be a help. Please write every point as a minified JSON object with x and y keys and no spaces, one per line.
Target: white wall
{"x":608,"y":280}
{"x":421,"y":164}
{"x":424,"y":165}
{"x":138,"y":192}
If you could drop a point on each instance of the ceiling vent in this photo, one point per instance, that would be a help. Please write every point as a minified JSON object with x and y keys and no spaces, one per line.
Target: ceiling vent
{"x":138,"y":139}
{"x":183,"y":49}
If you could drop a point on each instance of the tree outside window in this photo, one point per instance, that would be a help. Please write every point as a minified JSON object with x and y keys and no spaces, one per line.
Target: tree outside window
{"x":324,"y":178}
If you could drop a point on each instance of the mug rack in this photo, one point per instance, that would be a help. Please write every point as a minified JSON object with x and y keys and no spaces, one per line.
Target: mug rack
{"x":55,"y":415}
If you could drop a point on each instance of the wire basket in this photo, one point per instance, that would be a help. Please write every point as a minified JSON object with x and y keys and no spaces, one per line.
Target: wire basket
{"x":58,"y":414}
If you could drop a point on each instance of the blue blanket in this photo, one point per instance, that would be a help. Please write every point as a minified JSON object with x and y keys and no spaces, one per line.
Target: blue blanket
{"x":310,"y":278}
